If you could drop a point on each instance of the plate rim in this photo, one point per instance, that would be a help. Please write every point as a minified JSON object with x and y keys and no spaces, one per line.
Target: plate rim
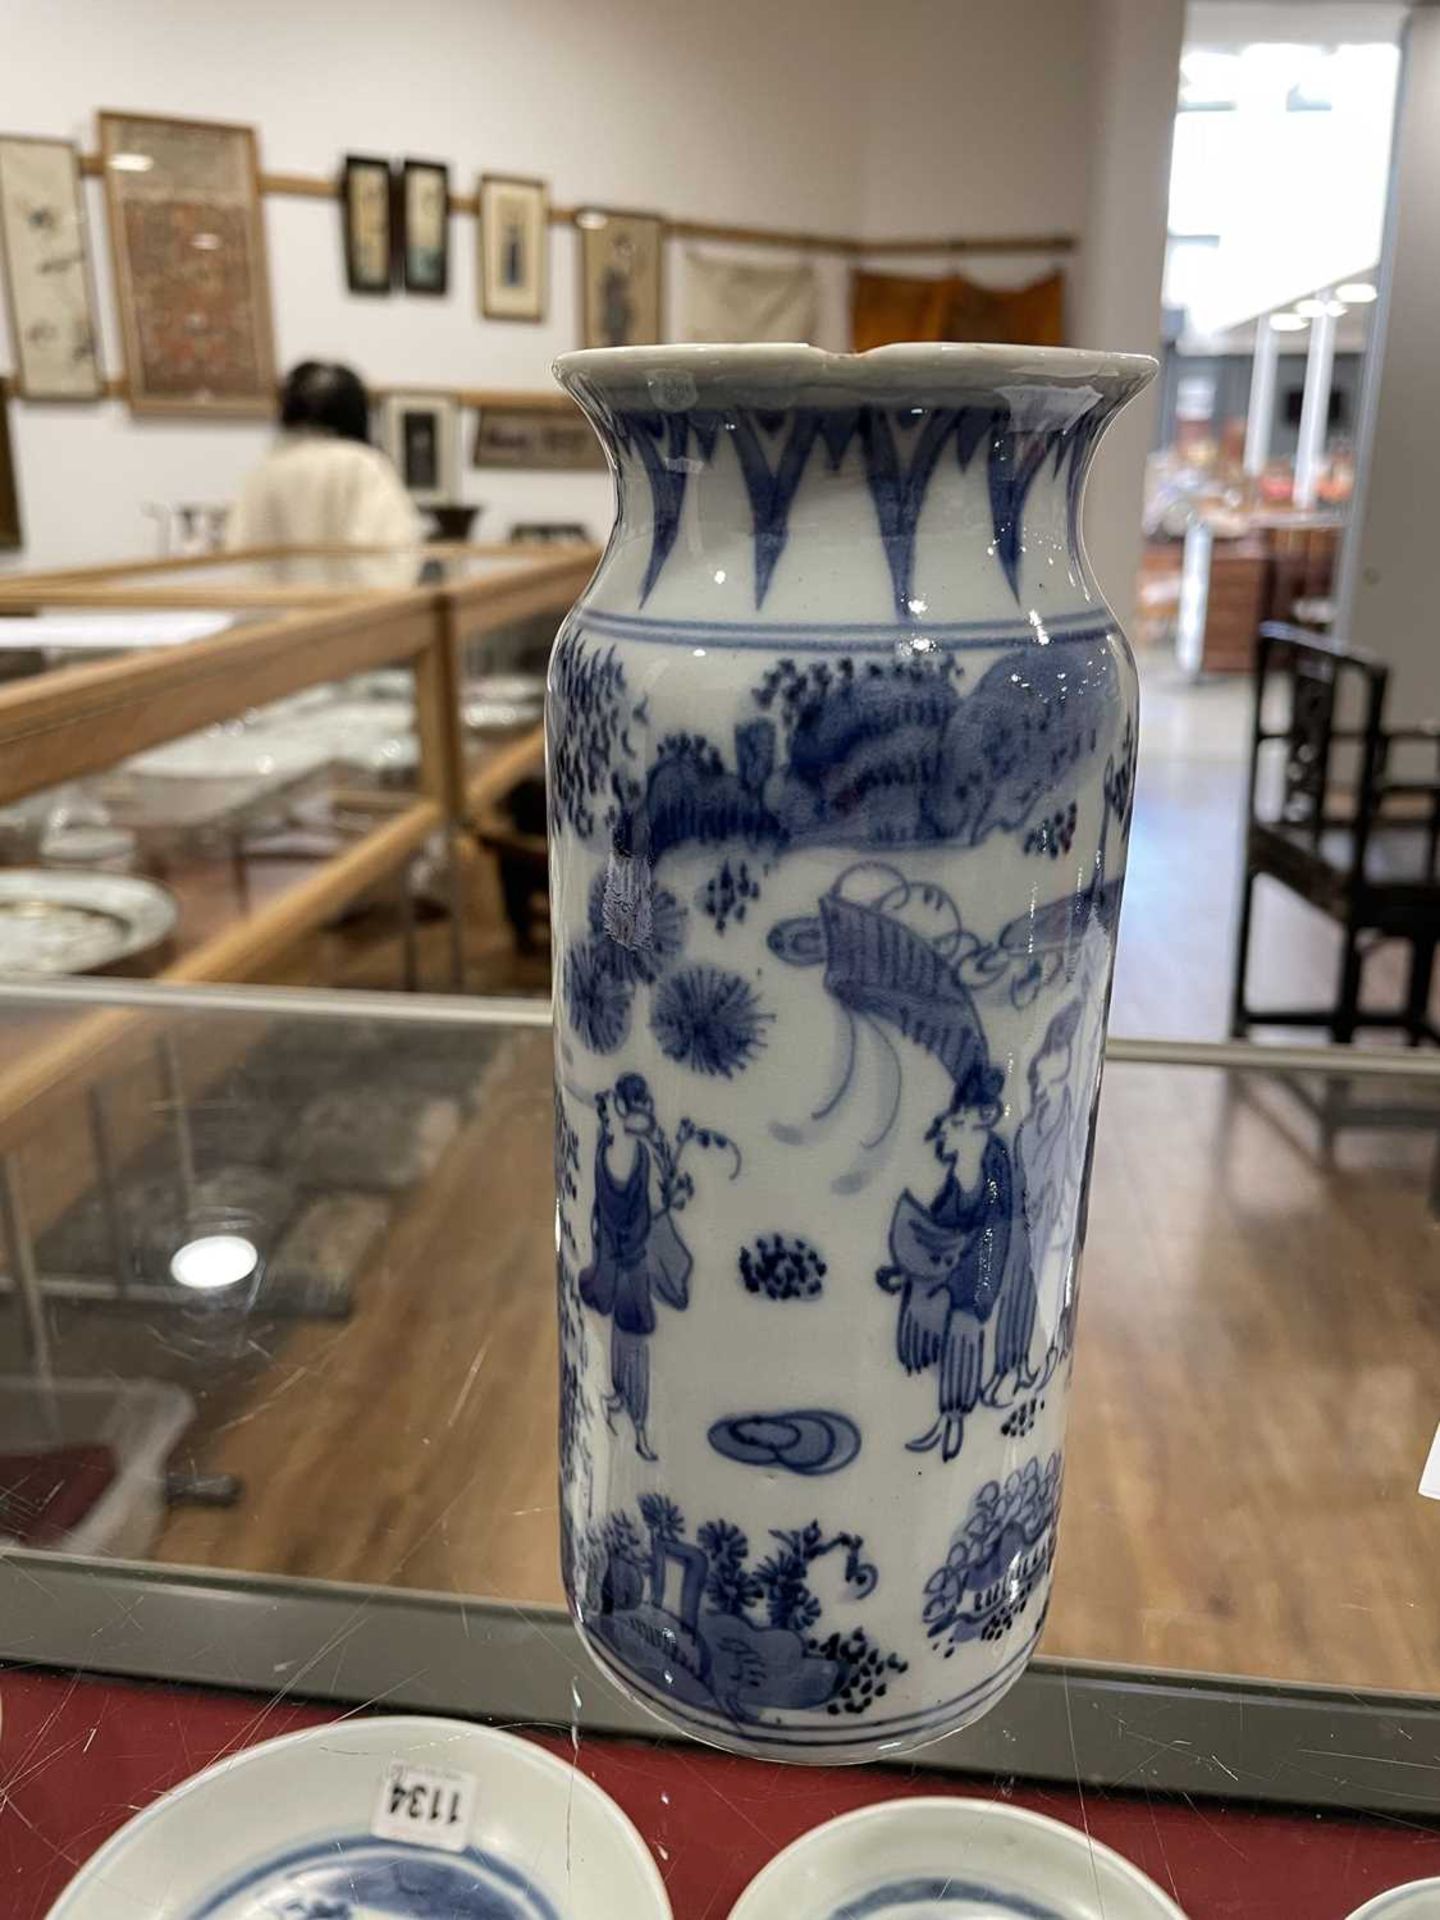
{"x":67,"y":885}
{"x":997,"y":1811}
{"x":1374,"y":1908}
{"x":118,"y":1842}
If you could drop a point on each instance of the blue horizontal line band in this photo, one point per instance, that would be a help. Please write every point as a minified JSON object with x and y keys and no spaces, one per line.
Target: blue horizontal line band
{"x":858,"y":1732}
{"x":854,"y":636}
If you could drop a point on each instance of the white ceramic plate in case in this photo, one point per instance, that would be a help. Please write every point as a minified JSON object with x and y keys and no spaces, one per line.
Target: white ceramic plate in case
{"x":289,"y":1828}
{"x":1418,"y":1900}
{"x":950,"y":1860}
{"x":66,"y":922}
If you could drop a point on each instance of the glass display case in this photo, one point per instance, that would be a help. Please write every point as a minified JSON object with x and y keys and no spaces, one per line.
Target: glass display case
{"x":205,"y":766}
{"x":279,"y":1342}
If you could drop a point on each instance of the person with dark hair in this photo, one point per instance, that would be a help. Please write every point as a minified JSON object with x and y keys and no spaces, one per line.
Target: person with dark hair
{"x":324,"y":485}
{"x":326,"y":398}
{"x":948,"y":1259}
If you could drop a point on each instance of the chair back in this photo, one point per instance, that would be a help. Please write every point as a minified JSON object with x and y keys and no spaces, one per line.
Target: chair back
{"x":1331,"y":704}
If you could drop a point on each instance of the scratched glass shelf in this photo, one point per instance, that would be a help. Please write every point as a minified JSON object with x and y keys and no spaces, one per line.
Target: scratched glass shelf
{"x":279,"y":1281}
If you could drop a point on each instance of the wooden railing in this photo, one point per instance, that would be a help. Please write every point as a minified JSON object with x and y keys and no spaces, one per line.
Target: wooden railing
{"x":80,"y":720}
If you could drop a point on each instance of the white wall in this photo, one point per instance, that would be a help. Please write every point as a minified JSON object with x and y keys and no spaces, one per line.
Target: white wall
{"x":1136,"y":60}
{"x":976,"y":115}
{"x":933,"y":115}
{"x":1387,"y":589}
{"x":634,"y":103}
{"x":1042,"y":116}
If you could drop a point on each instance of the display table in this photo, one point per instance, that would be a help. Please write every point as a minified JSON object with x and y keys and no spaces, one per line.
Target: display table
{"x":206,"y":643}
{"x":81,"y":1755}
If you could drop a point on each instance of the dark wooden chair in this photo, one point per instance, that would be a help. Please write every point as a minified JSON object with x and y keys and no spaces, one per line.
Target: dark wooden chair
{"x":508,"y":819}
{"x":514,"y":831}
{"x":1337,"y":825}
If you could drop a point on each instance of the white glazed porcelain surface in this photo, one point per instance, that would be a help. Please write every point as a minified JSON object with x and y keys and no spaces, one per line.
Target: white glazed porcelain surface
{"x":841,"y":758}
{"x":950,"y":1860}
{"x":285,"y":1828}
{"x":1419,"y":1900}
{"x":56,"y":922}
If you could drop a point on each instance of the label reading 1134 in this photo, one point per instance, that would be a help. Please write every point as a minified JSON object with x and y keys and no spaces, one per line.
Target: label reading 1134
{"x":424,"y":1807}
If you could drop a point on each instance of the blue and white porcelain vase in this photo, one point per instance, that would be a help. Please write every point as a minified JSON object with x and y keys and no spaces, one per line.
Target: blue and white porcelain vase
{"x":841,"y":745}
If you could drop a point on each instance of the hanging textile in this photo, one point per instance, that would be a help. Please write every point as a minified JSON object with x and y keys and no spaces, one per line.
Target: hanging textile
{"x":735,"y":300}
{"x":1029,"y":316}
{"x":887,"y":307}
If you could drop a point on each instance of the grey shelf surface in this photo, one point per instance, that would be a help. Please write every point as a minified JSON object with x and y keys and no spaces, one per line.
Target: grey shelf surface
{"x":1104,"y":1727}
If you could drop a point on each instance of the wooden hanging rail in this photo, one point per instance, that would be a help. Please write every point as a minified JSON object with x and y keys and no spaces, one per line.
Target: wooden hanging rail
{"x":80,"y":720}
{"x":30,"y":589}
{"x":548,"y":400}
{"x":960,"y":243}
{"x":315,"y":186}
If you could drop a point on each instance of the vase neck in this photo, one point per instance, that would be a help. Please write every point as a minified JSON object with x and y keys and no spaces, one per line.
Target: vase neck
{"x":890,"y":512}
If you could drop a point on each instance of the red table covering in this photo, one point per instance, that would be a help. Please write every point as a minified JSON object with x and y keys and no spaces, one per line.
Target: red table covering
{"x":78,"y":1756}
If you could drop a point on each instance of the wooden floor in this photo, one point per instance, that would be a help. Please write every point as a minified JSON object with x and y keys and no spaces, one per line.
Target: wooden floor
{"x":1253,"y":1398}
{"x":1257,"y":1362}
{"x":415,"y":1442}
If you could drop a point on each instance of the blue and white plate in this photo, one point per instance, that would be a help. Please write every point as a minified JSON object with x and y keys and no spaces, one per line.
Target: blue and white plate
{"x":303,"y":1828}
{"x":955,"y":1859}
{"x":1417,"y":1900}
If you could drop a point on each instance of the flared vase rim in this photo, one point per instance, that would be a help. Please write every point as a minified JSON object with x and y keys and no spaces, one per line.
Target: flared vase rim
{"x":676,"y":378}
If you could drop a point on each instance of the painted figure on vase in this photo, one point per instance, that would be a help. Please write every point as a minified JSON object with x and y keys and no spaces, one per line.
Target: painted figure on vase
{"x":636,"y":1250}
{"x":894,"y":956}
{"x":1049,"y":1165}
{"x":998,"y":1560}
{"x":950,"y":1260}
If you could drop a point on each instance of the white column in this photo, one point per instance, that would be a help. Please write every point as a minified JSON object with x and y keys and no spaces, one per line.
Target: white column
{"x":1387,"y":581}
{"x":1133,"y":79}
{"x":1315,"y":405}
{"x":1261,"y":418}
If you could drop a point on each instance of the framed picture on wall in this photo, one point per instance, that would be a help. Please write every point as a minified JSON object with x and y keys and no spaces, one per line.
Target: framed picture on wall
{"x":514,"y":247}
{"x":191,"y":278}
{"x":367,"y":200}
{"x":10,"y":536}
{"x":424,"y":209}
{"x":621,"y":277}
{"x":47,"y":271}
{"x":550,"y":533}
{"x":531,"y":431}
{"x":418,"y":431}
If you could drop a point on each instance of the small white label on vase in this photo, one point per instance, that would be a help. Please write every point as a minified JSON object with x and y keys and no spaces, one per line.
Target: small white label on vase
{"x":1430,"y":1478}
{"x":425,"y":1807}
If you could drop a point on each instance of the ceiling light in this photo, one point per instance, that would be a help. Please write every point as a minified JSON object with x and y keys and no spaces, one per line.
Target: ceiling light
{"x":1356,"y":293}
{"x":214,"y":1261}
{"x":1315,"y":306}
{"x":131,"y":162}
{"x":206,"y":242}
{"x":1288,"y":322}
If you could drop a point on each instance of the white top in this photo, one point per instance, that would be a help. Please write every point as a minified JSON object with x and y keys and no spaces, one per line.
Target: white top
{"x":313,"y":490}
